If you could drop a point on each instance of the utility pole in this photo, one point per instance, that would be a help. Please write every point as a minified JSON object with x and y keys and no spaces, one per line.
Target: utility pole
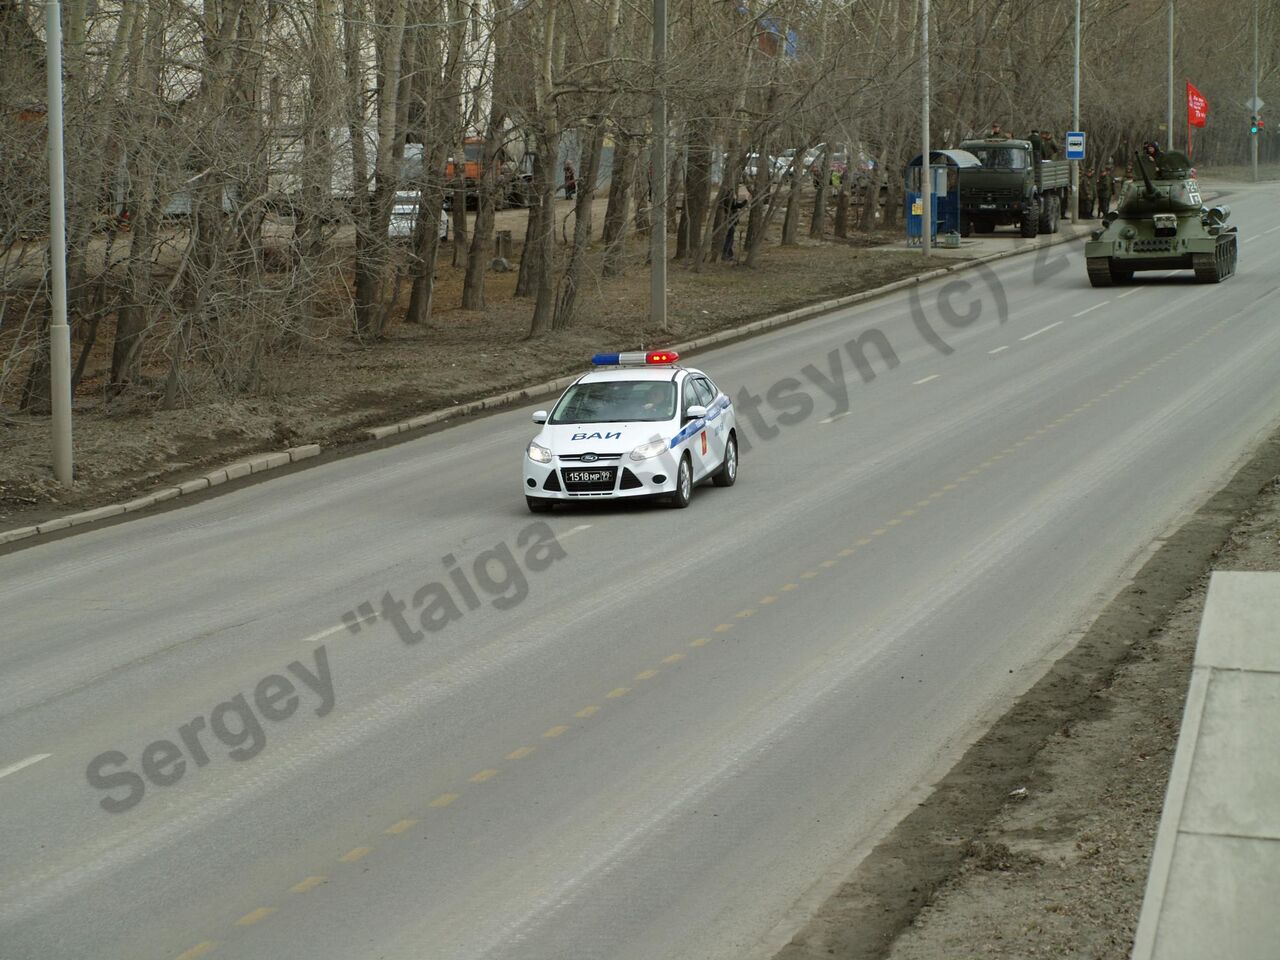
{"x":658,"y":180}
{"x":1253,"y":141}
{"x":1073,"y":215}
{"x":1169,"y":129}
{"x":59,"y":332}
{"x":926,"y":169}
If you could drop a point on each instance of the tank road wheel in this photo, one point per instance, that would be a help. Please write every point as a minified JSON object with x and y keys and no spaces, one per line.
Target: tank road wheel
{"x":1030,"y":219}
{"x":1099,"y":271}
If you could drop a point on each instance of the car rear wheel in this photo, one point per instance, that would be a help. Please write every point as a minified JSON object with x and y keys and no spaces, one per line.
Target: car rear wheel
{"x":540,"y":504}
{"x":728,"y":472}
{"x":684,"y":485}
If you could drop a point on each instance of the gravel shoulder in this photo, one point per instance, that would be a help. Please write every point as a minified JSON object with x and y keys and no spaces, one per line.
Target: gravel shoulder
{"x":1036,"y":844}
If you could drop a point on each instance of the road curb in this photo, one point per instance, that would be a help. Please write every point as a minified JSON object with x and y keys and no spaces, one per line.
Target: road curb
{"x":754,"y":328}
{"x":241,"y":468}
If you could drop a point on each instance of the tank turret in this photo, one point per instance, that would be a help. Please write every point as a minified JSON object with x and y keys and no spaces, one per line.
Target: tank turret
{"x":1162,"y":224}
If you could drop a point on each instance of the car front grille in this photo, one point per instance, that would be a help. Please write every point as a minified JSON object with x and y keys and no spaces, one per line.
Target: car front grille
{"x":588,"y":457}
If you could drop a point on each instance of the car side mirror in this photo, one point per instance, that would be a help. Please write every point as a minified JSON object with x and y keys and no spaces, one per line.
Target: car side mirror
{"x":539,"y":416}
{"x":695,"y":412}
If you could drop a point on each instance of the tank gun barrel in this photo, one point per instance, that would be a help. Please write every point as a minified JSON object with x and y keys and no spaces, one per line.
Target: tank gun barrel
{"x":1151,"y":191}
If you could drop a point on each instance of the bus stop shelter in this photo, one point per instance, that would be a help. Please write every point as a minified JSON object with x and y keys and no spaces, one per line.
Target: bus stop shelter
{"x":944,"y":185}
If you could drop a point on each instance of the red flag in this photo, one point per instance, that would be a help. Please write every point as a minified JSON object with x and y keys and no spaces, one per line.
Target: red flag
{"x":1197,"y":106}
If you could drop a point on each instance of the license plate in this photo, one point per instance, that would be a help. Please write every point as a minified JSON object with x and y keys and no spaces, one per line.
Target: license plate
{"x":588,"y":476}
{"x":986,"y":206}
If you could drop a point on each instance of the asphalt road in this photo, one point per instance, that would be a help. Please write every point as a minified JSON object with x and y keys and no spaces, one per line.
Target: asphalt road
{"x":687,"y":724}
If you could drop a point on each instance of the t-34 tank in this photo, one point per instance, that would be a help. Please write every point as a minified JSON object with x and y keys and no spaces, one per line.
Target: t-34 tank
{"x":1160,"y":224}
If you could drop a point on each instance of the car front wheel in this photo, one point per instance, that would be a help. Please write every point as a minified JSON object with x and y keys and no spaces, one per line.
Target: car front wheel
{"x":728,"y":472}
{"x":684,"y":485}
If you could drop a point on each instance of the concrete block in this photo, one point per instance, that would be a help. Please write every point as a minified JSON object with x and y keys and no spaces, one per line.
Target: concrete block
{"x":168,"y":493}
{"x":195,"y":486}
{"x":139,"y":504}
{"x":21,"y":533}
{"x":61,"y":523}
{"x":304,"y":452}
{"x":215,"y":477}
{"x":270,"y":462}
{"x":237,"y":470}
{"x":101,"y":513}
{"x":1238,"y":629}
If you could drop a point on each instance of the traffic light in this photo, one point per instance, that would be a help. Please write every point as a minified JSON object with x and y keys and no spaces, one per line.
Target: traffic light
{"x":1254,"y":125}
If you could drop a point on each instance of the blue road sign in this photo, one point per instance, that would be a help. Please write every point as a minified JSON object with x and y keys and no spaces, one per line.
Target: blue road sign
{"x":1075,"y":144}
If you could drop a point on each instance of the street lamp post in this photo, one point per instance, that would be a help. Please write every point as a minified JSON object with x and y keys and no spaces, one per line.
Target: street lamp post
{"x":1073,"y":215}
{"x":59,"y":332}
{"x":926,"y":169}
{"x":1253,"y":141}
{"x":1169,"y":115}
{"x":658,"y":205}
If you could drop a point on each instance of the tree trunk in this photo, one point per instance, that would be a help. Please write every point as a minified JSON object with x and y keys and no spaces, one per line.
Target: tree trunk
{"x":582,"y":216}
{"x":818,"y":224}
{"x":544,"y":277}
{"x":697,"y":184}
{"x":531,"y":253}
{"x":615,"y":217}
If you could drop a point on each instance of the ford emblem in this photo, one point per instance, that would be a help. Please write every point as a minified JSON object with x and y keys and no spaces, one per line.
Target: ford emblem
{"x":589,"y":458}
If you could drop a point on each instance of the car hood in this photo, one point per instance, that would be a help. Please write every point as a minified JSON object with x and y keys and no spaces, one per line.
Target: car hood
{"x":578,"y":438}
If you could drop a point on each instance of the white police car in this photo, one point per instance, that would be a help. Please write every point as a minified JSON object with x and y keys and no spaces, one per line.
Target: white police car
{"x":638,"y":425}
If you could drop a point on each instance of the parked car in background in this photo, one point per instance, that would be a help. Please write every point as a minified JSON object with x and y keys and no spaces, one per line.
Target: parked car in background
{"x":404,"y":217}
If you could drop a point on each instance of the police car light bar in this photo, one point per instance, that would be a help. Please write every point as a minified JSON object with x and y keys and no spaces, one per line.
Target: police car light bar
{"x":634,"y":358}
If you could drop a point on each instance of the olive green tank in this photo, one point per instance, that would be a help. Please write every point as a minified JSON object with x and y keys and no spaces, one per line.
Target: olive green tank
{"x":1160,"y":224}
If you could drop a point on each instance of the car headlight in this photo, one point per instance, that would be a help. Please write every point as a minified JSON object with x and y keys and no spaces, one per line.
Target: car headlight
{"x":650,"y":449}
{"x":538,"y":453}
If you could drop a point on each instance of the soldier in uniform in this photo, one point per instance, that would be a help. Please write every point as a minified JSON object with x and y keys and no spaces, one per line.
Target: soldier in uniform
{"x":1049,"y":148}
{"x":1037,"y":146}
{"x":1104,"y":191}
{"x":995,"y":130}
{"x":1088,"y":194}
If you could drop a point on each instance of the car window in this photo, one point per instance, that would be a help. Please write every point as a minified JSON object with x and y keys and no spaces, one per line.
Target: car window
{"x":706,"y":392}
{"x":690,"y":394}
{"x":616,"y":401}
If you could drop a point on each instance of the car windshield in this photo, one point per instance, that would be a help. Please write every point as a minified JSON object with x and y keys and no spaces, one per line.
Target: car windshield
{"x":1004,"y":158}
{"x":616,"y":401}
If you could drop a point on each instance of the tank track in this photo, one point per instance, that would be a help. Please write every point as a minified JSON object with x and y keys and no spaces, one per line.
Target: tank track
{"x":1217,"y":266}
{"x":1099,"y":271}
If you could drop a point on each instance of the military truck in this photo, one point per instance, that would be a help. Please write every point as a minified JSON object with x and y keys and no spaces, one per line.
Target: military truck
{"x":1012,"y":187}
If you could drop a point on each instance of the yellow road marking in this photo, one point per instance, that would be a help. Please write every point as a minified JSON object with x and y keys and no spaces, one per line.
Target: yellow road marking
{"x":482,"y":776}
{"x":402,"y":825}
{"x":809,"y":574}
{"x":766,"y":600}
{"x":880,"y":533}
{"x":925,"y":501}
{"x":828,"y":563}
{"x":646,"y":674}
{"x":308,"y":884}
{"x":791,"y":586}
{"x":846,"y":552}
{"x":555,"y":731}
{"x":673,"y":658}
{"x":199,"y":950}
{"x":249,"y":919}
{"x":909,"y":513}
{"x":520,"y":754}
{"x":700,"y":642}
{"x":894,"y":522}
{"x":743,"y":614}
{"x":351,"y":856}
{"x":948,"y":486}
{"x":723,"y":627}
{"x":617,"y":692}
{"x":586,"y":712}
{"x":443,"y":800}
{"x":862,"y":541}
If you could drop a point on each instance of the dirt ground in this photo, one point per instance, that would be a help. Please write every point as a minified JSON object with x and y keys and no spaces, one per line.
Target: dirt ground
{"x":1037,"y":843}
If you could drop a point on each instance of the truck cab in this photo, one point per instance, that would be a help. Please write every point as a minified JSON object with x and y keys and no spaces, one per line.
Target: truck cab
{"x":1012,"y":187}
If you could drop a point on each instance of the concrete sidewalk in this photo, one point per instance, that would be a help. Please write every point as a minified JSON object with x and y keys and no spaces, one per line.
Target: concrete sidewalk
{"x":1214,"y":885}
{"x":1005,"y":238}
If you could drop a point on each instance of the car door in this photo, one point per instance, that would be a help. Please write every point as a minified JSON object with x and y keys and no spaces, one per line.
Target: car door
{"x":699,"y":442}
{"x":716,"y":432}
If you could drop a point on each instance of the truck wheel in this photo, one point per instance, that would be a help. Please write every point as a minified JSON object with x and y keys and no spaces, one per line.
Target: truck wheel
{"x":1030,"y":219}
{"x":1055,"y":215}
